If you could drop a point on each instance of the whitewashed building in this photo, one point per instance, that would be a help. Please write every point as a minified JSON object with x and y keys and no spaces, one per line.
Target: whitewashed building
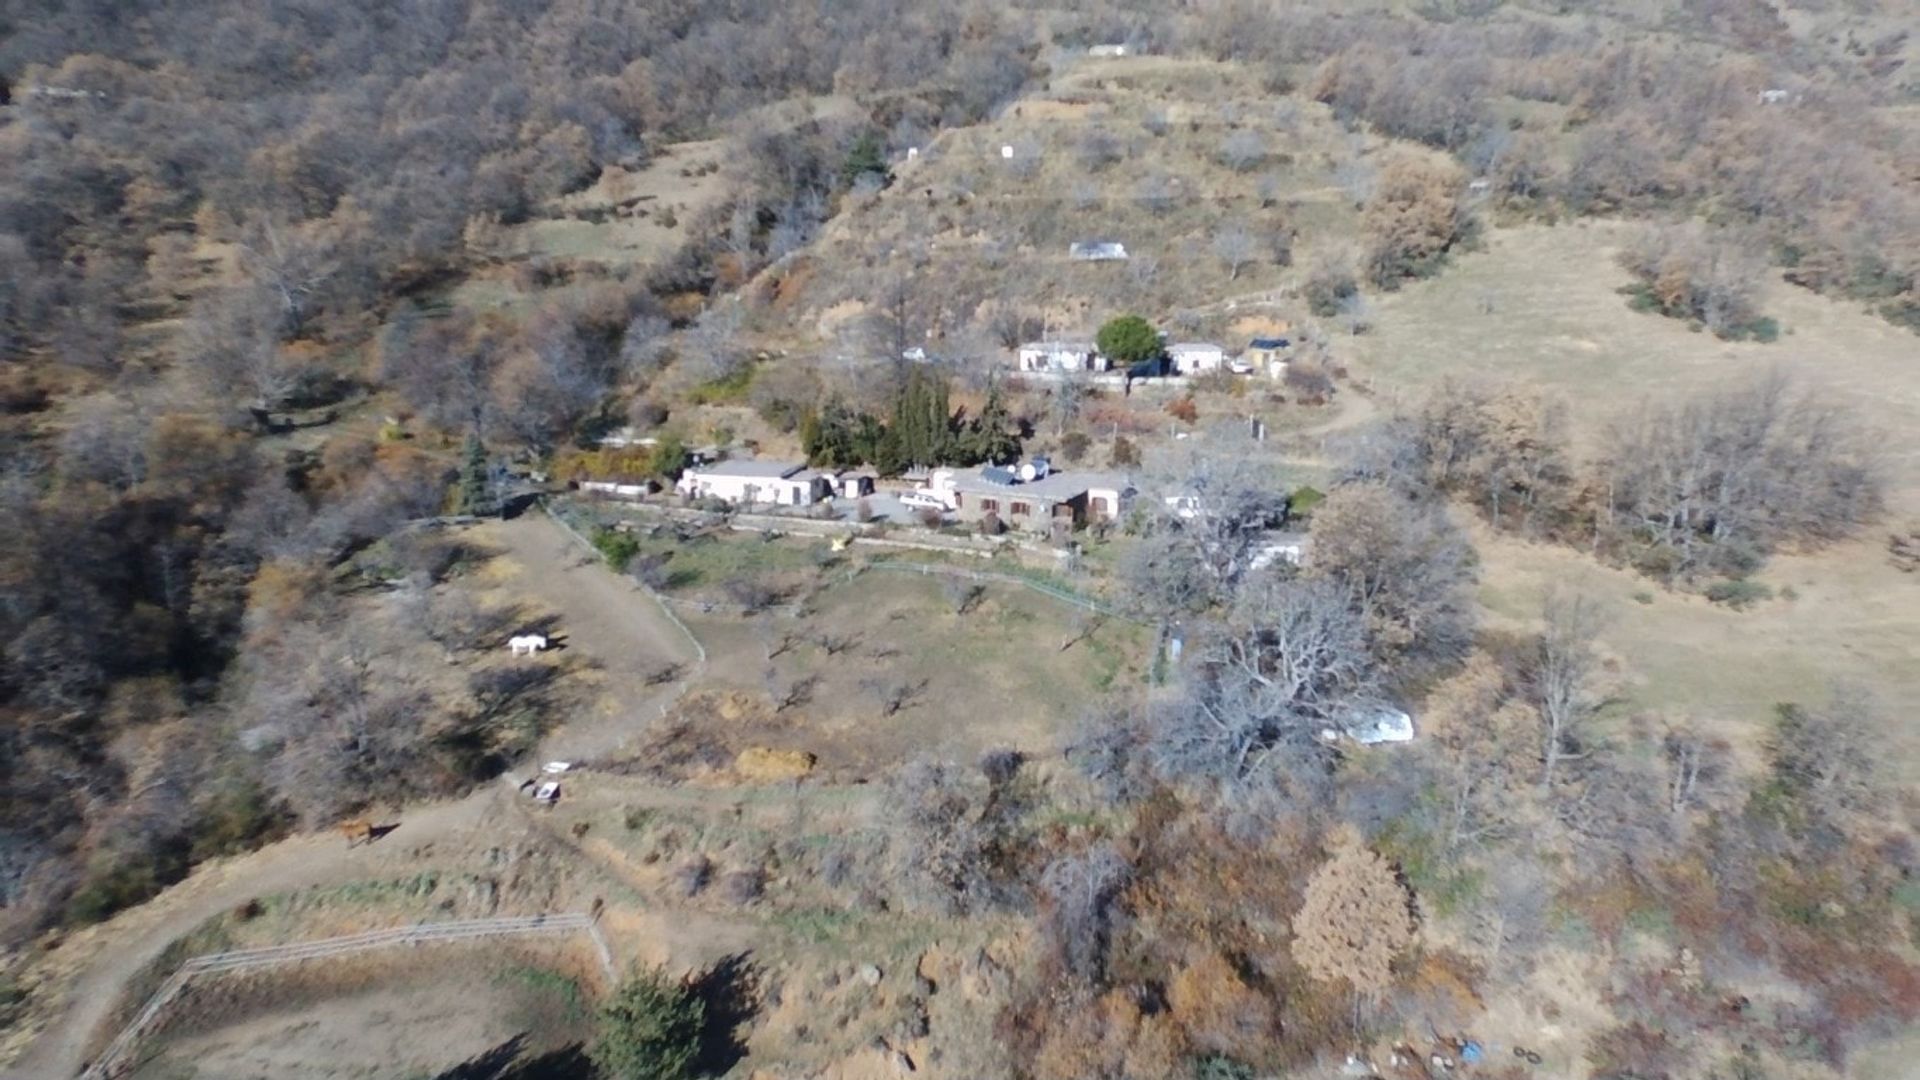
{"x":1055,"y":356}
{"x":781,"y":483}
{"x":1196,"y":358}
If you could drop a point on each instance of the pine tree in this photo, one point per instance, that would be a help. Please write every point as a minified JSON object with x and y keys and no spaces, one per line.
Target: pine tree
{"x":990,"y":440}
{"x":650,"y":1030}
{"x":474,"y":495}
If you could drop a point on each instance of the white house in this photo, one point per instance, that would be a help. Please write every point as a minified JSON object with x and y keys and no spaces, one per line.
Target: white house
{"x":782,"y":483}
{"x":1041,"y":356}
{"x":1196,"y":358}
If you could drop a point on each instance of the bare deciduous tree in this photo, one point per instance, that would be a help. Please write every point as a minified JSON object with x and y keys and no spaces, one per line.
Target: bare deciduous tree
{"x":1405,"y":565}
{"x":1081,"y":891}
{"x":1208,"y":510}
{"x":1291,"y":662}
{"x":1711,"y":484}
{"x":1235,"y":247}
{"x":1154,"y":193}
{"x":1562,"y":678}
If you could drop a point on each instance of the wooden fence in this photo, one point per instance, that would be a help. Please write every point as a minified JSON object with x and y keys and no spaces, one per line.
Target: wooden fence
{"x":119,"y":1053}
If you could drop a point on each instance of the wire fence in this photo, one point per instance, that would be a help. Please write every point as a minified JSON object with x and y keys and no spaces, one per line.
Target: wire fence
{"x":1044,"y":588}
{"x":665,"y":603}
{"x":119,"y":1053}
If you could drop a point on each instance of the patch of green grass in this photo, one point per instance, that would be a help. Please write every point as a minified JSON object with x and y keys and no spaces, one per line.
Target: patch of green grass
{"x":729,"y":389}
{"x":1444,"y":883}
{"x":565,"y":989}
{"x":818,"y":926}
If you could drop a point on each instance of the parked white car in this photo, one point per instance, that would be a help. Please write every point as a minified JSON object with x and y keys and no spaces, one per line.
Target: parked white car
{"x":922,"y":500}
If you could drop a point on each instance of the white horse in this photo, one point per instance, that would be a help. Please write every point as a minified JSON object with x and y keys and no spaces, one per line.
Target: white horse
{"x":526,"y":643}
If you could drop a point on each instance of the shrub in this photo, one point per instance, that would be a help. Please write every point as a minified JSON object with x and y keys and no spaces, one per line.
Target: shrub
{"x":617,"y":547}
{"x":728,"y":389}
{"x":742,"y":886}
{"x":1184,"y":410}
{"x":1123,"y":454}
{"x":115,"y":882}
{"x":235,"y":815}
{"x":693,"y":874}
{"x":1220,"y":1067}
{"x":1330,"y":281}
{"x":650,"y":1030}
{"x":1739,"y":593}
{"x":1304,"y":498}
{"x":1074,"y":446}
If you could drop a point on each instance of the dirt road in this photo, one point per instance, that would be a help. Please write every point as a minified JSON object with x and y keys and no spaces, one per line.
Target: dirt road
{"x":603,"y":615}
{"x":609,"y":619}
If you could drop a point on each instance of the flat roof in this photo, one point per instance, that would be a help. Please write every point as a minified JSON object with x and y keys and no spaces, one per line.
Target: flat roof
{"x":1054,"y":487}
{"x":770,"y":470}
{"x":1060,"y":346}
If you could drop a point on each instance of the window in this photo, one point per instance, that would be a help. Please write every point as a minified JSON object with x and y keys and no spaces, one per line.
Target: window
{"x":1021,"y":509}
{"x":988,"y":506}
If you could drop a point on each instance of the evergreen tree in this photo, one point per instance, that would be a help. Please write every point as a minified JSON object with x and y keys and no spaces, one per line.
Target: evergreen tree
{"x":1129,"y":340}
{"x":991,"y":441}
{"x":475,"y":496}
{"x":649,"y":1031}
{"x":834,"y":438}
{"x":921,"y":418}
{"x":866,"y":156}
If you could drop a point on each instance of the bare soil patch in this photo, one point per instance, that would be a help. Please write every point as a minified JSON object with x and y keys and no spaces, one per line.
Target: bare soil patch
{"x":384,"y":1016}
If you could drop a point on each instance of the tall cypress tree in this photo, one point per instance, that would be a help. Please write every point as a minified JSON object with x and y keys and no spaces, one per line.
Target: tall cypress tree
{"x":921,"y":418}
{"x":473,"y":494}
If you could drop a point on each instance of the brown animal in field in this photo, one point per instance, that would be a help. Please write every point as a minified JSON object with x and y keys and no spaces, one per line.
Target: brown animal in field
{"x":356,"y":831}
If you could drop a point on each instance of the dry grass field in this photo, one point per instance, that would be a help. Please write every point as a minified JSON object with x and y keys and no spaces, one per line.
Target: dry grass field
{"x":1842,"y":615}
{"x":1557,"y":322}
{"x":1851,"y":619}
{"x":996,"y":676}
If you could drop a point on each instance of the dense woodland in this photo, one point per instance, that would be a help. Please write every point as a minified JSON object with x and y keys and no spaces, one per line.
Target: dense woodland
{"x":220,"y":218}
